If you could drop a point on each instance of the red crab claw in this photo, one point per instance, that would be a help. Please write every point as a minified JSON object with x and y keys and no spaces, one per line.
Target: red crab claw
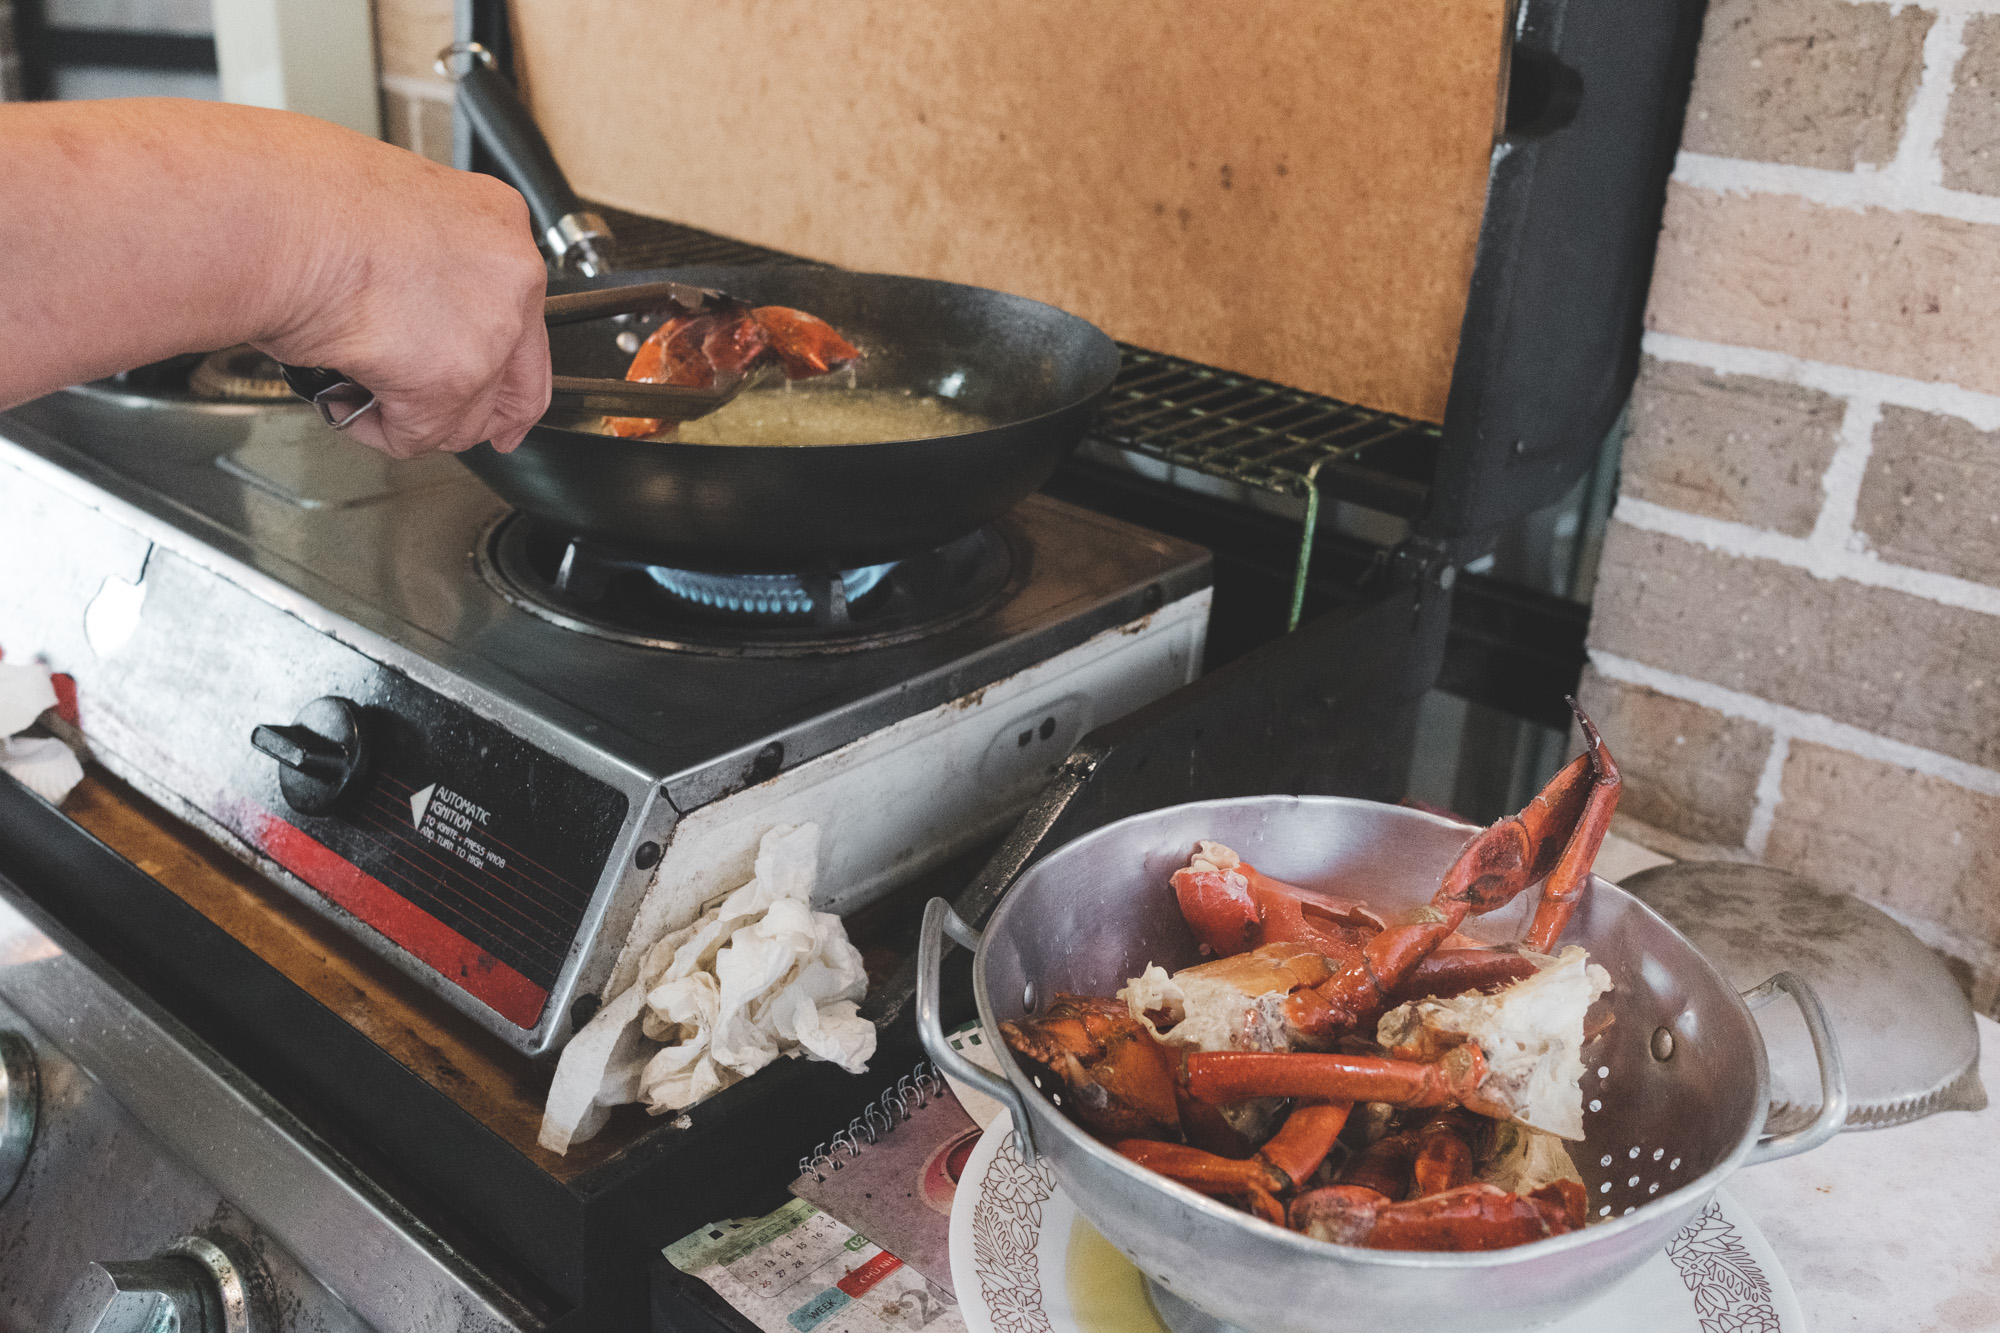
{"x":1287,"y":1159}
{"x":806,"y":345}
{"x":1471,"y":1217}
{"x":1116,"y":1079}
{"x":674,"y":353}
{"x":724,"y":340}
{"x":1220,"y":1077}
{"x":1233,"y":907}
{"x":1556,"y":837}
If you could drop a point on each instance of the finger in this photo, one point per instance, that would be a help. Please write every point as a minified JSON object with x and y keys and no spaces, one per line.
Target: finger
{"x":523,"y":395}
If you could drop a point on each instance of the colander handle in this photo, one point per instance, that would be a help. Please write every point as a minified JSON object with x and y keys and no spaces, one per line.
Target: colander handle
{"x":1832,"y":1074}
{"x":939,"y":921}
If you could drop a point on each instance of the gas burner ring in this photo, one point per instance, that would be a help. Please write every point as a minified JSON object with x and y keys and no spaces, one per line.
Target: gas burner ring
{"x":623,"y":598}
{"x":772,"y":595}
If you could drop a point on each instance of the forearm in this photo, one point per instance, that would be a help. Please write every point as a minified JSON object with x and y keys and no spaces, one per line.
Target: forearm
{"x":124,"y":242}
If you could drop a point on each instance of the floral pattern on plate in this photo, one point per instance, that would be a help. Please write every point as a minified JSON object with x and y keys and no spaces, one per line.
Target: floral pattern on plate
{"x":1012,"y":1244}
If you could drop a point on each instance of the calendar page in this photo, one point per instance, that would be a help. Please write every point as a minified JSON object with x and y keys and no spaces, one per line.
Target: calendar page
{"x":800,"y":1271}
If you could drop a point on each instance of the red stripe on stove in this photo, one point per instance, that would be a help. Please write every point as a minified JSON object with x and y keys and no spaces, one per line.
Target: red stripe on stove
{"x":455,"y":957}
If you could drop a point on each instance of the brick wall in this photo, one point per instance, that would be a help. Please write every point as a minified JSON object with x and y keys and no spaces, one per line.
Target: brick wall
{"x":416,"y":103}
{"x":1796,"y":643}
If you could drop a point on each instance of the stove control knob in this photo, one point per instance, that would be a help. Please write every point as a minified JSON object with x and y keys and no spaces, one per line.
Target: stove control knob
{"x":192,"y":1286}
{"x":322,"y":756}
{"x":20,"y":1105}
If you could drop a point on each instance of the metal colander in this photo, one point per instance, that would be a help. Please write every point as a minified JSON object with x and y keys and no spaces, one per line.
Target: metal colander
{"x":1674,"y":1099}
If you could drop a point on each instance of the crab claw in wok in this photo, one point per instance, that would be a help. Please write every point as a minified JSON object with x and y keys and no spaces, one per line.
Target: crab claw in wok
{"x":726,"y":339}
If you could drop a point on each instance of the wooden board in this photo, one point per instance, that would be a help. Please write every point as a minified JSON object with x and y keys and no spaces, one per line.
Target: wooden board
{"x":1289,"y":188}
{"x":492,"y":1081}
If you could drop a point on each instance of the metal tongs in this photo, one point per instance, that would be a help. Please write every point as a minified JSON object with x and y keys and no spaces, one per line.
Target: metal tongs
{"x":341,"y":402}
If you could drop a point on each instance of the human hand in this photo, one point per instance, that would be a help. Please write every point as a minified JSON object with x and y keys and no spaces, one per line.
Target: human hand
{"x":422,"y":284}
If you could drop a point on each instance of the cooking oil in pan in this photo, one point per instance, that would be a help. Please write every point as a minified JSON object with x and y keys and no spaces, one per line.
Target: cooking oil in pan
{"x":783,"y":417}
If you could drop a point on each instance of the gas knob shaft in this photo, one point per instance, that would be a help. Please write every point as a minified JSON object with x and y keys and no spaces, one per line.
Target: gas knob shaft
{"x":322,"y":755}
{"x":195,"y":1285}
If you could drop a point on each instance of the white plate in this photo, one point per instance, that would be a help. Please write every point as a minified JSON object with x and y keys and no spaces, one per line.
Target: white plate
{"x":1023,"y":1261}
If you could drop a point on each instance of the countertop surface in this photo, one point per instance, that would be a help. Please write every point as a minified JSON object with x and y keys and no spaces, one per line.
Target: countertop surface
{"x":1882,"y":1229}
{"x":1892,"y":1228}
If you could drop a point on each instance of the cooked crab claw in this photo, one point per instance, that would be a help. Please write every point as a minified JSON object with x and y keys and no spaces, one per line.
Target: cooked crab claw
{"x":806,"y":345}
{"x":1286,"y":1161}
{"x":1555,"y":838}
{"x":1233,"y":907}
{"x":725,"y":339}
{"x":1108,"y":1070}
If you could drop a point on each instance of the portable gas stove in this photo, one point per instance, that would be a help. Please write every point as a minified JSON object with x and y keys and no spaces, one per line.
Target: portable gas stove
{"x":487,"y":748}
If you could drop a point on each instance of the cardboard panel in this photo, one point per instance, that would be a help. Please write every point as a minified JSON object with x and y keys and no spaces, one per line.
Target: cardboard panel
{"x":1290,"y":188}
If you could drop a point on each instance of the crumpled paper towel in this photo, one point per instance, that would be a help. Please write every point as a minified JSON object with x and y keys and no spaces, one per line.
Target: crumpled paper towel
{"x":757,"y":976}
{"x":43,"y":764}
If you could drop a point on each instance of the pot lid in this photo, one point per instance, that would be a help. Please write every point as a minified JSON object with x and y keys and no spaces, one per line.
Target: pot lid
{"x":1907,"y":1033}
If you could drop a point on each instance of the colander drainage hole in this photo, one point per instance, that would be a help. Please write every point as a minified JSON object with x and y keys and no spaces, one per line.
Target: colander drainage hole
{"x":1606,"y":1160}
{"x":1604,"y":1071}
{"x":1596,"y":1105}
{"x":1630,"y":1184}
{"x":1634,"y":1154}
{"x":1605,"y":1211}
{"x":1658,"y":1153}
{"x":1628,"y":1208}
{"x":1674,"y":1165}
{"x":1653,"y":1188}
{"x":1605,"y":1188}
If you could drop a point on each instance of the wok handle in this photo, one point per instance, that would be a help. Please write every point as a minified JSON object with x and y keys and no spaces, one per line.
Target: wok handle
{"x":939,"y":921}
{"x":1832,"y":1073}
{"x":577,"y":237}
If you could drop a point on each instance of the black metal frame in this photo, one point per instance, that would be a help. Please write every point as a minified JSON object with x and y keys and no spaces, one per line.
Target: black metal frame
{"x":1550,"y":342}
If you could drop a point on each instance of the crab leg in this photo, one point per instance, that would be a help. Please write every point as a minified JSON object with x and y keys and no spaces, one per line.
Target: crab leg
{"x":1291,"y":1156}
{"x":1383,"y":1167}
{"x":1456,"y":971}
{"x":1471,"y":1217}
{"x":1234,"y":1076}
{"x":1443,"y":1157}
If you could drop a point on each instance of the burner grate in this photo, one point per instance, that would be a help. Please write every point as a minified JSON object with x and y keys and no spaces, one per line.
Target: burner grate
{"x":1262,"y":434}
{"x":1233,"y":427}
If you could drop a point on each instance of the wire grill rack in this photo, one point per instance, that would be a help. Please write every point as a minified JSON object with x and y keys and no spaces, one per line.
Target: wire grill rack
{"x":1232,"y":427}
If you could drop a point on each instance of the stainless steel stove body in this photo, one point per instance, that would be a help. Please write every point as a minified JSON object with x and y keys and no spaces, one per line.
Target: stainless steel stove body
{"x":527,"y":783}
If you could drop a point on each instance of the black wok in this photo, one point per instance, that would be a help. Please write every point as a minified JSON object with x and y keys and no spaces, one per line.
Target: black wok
{"x":1034,"y":371}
